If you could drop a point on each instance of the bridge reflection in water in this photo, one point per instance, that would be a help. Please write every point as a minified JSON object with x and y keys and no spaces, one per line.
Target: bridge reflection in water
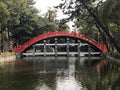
{"x":64,"y":71}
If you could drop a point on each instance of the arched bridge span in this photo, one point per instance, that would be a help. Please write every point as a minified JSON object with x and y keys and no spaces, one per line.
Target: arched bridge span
{"x":47,"y":35}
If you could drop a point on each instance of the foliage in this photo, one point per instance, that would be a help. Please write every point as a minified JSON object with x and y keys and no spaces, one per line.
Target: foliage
{"x":20,"y":21}
{"x":62,"y":26}
{"x":4,"y":13}
{"x":115,"y":54}
{"x":87,"y":14}
{"x":50,"y":23}
{"x":110,"y":15}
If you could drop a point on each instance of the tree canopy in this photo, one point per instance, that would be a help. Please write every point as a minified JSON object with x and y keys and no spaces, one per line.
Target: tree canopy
{"x":94,"y":15}
{"x":4,"y":13}
{"x":21,"y":21}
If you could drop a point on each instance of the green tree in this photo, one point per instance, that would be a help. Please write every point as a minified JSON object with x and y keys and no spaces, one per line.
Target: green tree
{"x":110,"y":15}
{"x":4,"y":16}
{"x":89,"y":8}
{"x":62,"y":25}
{"x":54,"y":24}
{"x":4,"y":13}
{"x":50,"y":16}
{"x":22,"y":20}
{"x":16,"y":8}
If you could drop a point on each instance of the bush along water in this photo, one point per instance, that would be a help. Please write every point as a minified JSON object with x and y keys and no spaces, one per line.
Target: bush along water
{"x":115,"y":54}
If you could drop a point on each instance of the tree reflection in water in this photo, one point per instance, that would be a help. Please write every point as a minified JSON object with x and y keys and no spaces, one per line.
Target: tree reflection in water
{"x":101,"y":77}
{"x":74,"y":74}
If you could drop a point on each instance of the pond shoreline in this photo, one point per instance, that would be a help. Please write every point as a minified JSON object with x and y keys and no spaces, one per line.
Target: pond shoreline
{"x":12,"y":57}
{"x":112,"y":59}
{"x":7,"y":57}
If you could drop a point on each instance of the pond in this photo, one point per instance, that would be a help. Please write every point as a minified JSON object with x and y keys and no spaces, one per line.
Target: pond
{"x":60,"y":73}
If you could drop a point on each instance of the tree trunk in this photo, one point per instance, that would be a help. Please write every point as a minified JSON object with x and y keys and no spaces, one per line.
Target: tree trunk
{"x":2,"y":46}
{"x":104,"y":37}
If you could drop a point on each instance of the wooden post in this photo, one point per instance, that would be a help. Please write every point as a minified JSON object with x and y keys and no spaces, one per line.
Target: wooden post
{"x":79,"y":48}
{"x":67,"y":46}
{"x":55,"y":46}
{"x":44,"y":69}
{"x":78,"y":59}
{"x":44,"y":47}
{"x":89,"y":52}
{"x":55,"y":64}
{"x":34,"y":50}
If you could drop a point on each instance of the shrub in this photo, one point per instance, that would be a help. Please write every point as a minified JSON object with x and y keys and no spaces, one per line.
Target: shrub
{"x":115,"y":54}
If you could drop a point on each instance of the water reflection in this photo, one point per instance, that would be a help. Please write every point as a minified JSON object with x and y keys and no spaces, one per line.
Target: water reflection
{"x":60,"y":73}
{"x":67,"y":81}
{"x":64,"y":72}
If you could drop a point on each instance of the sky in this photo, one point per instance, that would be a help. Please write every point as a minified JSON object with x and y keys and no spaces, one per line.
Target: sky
{"x":44,"y":5}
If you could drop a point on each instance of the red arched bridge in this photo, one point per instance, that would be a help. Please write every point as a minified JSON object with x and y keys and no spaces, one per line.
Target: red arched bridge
{"x":54,"y":43}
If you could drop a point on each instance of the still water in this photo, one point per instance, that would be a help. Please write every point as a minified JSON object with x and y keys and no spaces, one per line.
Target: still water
{"x":59,"y":73}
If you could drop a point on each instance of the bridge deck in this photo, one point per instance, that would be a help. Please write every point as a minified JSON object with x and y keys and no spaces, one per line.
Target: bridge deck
{"x":61,"y":53}
{"x":62,"y":44}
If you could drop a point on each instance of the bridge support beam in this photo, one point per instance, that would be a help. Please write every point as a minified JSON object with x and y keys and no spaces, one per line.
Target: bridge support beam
{"x":67,"y":46}
{"x":78,"y":48}
{"x":44,"y":47}
{"x":89,"y":52}
{"x":55,"y":46}
{"x":34,"y":50}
